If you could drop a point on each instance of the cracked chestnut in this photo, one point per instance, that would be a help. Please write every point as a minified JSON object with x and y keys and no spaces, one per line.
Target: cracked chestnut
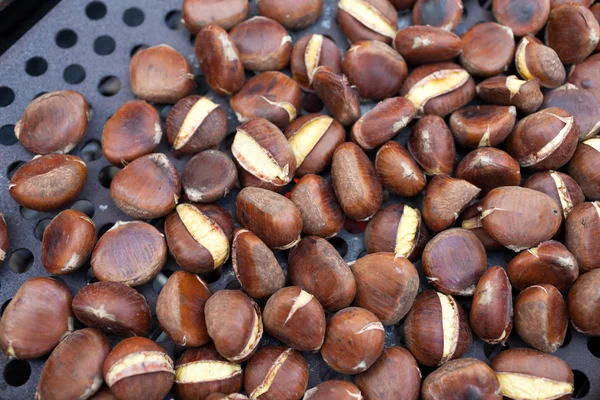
{"x":296,"y":318}
{"x":511,"y":91}
{"x":398,"y":229}
{"x":138,"y":368}
{"x":581,"y":103}
{"x":561,"y":187}
{"x":341,"y":98}
{"x":436,"y":329}
{"x":533,"y":60}
{"x":310,"y":52}
{"x":489,"y":168}
{"x":195,"y":124}
{"x":367,"y":20}
{"x":276,"y":373}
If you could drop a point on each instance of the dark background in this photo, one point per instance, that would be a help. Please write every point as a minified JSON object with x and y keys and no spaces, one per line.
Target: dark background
{"x":17,"y":16}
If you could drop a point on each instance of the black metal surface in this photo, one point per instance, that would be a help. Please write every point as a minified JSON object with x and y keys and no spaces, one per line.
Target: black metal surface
{"x":71,"y":49}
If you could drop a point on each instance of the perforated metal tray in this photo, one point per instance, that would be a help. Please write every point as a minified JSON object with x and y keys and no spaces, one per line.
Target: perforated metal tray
{"x":86,"y":46}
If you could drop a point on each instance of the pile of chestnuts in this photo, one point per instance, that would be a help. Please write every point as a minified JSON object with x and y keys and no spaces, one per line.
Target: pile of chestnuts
{"x":502,"y":154}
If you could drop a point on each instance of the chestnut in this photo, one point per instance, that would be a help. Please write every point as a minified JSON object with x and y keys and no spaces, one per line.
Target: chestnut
{"x":180,"y":309}
{"x":263,"y":44}
{"x":114,"y":308}
{"x":438,"y":89}
{"x":276,"y":373}
{"x":556,"y":3}
{"x":445,"y":15}
{"x":296,"y":318}
{"x":321,"y":213}
{"x":431,"y":144}
{"x":436,"y":329}
{"x":130,"y":252}
{"x":234,"y":324}
{"x":525,"y":371}
{"x":511,"y":91}
{"x":161,"y":74}
{"x":522,"y":16}
{"x":398,"y":229}
{"x":219,"y":59}
{"x":382,"y":122}
{"x":581,"y":235}
{"x":48,"y":182}
{"x":466,"y":377}
{"x":375,"y":69}
{"x":255,"y":266}
{"x":385,"y":285}
{"x":489,"y":168}
{"x":221,"y":396}
{"x":316,"y":266}
{"x":353,"y":341}
{"x":482,"y":126}
{"x":492,"y":309}
{"x":336,"y":92}
{"x":444,"y":200}
{"x":584,"y":167}
{"x":367,"y":20}
{"x":54,"y":122}
{"x":149,"y":187}
{"x":584,"y":298}
{"x":471,"y":220}
{"x":333,"y":390}
{"x":541,"y":317}
{"x":198,"y":242}
{"x":202,"y":371}
{"x":270,"y":95}
{"x":196,"y":14}
{"x":264,"y":156}
{"x":355,"y":183}
{"x":519,"y":218}
{"x":194,"y":124}
{"x":4,"y":238}
{"x":572,"y":31}
{"x":395,"y":375}
{"x":208,"y":176}
{"x":581,"y":103}
{"x":585,"y":75}
{"x":138,"y":368}
{"x":453,"y":261}
{"x":271,"y":216}
{"x":536,"y":61}
{"x":68,"y":242}
{"x":310,"y":52}
{"x":561,"y":187}
{"x":548,"y":263}
{"x":424,"y":44}
{"x":103,"y":394}
{"x":292,"y":15}
{"x":314,"y":138}
{"x":133,"y":131}
{"x":488,"y":49}
{"x":544,"y":140}
{"x":37,"y":318}
{"x":393,"y":157}
{"x":74,"y":369}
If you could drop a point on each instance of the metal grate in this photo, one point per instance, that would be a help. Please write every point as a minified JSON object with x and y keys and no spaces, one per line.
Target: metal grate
{"x":86,"y":46}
